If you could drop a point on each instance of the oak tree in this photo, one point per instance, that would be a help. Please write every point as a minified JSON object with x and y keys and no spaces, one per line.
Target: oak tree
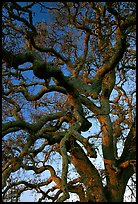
{"x":68,"y":100}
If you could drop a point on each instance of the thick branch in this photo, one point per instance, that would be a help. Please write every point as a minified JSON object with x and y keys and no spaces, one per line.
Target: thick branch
{"x":14,"y":60}
{"x":129,"y":151}
{"x":32,"y":127}
{"x":89,"y":175}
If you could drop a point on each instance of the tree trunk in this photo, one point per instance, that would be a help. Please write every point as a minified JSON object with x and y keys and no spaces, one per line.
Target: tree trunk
{"x":89,"y":175}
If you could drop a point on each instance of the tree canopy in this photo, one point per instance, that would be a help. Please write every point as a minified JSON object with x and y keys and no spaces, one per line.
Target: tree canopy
{"x":68,"y":100}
